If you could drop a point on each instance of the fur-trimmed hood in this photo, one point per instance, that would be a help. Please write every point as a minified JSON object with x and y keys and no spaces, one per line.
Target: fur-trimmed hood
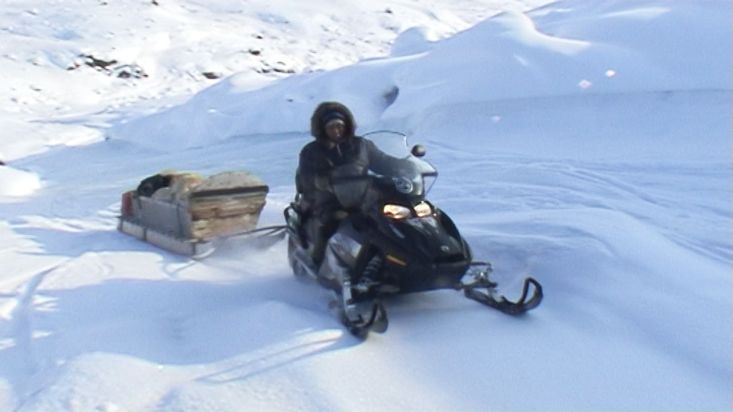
{"x":317,"y":125}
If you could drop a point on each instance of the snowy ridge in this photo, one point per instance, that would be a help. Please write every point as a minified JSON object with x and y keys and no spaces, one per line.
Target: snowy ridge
{"x":171,"y":49}
{"x":584,"y":143}
{"x":549,"y":52}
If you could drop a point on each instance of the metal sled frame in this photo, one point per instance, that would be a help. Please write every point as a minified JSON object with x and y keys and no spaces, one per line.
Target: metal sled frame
{"x":195,"y":248}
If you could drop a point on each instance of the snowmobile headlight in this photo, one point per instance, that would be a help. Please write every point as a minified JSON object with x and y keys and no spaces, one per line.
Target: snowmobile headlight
{"x":423,"y":209}
{"x":396,"y":211}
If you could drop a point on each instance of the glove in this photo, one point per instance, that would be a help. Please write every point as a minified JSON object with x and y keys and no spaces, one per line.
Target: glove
{"x":323,"y":183}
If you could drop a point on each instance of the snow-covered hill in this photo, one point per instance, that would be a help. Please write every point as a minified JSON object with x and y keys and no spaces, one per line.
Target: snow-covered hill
{"x":586,"y":143}
{"x":69,"y":67}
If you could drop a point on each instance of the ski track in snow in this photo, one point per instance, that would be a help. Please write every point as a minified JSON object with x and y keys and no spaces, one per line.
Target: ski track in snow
{"x":21,"y":329}
{"x":591,"y":186}
{"x":619,"y":203}
{"x":580,"y":185}
{"x":510,"y":236}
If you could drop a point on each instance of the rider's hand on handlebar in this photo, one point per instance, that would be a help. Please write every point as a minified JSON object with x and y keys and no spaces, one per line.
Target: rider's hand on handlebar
{"x":323,"y":183}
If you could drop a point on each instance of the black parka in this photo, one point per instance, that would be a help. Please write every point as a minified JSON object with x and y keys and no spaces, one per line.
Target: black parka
{"x":320,"y":157}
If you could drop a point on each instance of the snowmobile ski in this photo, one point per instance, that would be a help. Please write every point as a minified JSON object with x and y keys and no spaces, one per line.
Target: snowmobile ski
{"x":481,"y":289}
{"x":360,"y":317}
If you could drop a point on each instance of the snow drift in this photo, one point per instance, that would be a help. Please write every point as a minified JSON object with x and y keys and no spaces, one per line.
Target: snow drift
{"x":568,"y":48}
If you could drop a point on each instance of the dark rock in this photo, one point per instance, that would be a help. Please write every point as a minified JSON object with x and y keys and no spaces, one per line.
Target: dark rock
{"x":128,"y":71}
{"x":110,"y":67}
{"x":96,"y":63}
{"x":280,"y":70}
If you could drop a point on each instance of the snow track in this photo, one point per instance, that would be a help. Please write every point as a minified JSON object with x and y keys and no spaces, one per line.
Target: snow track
{"x":571,"y":143}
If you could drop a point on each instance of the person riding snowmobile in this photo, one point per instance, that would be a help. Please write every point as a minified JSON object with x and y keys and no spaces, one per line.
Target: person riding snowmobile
{"x":333,"y":127}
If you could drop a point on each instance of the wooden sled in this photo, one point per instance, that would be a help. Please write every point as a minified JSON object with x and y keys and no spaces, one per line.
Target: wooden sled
{"x":185,"y":213}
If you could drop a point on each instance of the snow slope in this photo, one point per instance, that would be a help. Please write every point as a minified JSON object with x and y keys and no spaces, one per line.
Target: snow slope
{"x":511,"y":57}
{"x":17,"y":183}
{"x":586,"y":143}
{"x":62,"y":61}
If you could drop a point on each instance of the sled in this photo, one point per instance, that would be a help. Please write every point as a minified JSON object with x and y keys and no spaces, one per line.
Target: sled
{"x":186,"y":213}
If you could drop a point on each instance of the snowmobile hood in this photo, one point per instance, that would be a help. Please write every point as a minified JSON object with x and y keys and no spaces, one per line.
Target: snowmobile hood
{"x":328,"y":110}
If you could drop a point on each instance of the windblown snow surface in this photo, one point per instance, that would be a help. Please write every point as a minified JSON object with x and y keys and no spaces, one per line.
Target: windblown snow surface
{"x":585,"y":143}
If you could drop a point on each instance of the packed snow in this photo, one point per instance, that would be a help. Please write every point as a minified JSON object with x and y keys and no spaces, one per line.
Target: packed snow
{"x":17,"y":183}
{"x":585,"y":143}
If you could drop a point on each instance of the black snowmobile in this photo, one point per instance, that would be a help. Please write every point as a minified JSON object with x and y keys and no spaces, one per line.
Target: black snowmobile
{"x":391,"y":240}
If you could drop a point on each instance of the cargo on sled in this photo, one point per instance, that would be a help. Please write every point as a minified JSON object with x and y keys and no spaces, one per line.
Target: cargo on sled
{"x":186,"y":213}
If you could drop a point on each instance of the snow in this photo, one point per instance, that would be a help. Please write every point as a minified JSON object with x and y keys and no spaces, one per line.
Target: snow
{"x":585,"y":143}
{"x":17,"y":183}
{"x":511,"y":57}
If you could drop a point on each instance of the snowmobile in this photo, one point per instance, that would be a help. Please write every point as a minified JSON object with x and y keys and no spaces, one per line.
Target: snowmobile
{"x":186,"y":213}
{"x":392,"y":240}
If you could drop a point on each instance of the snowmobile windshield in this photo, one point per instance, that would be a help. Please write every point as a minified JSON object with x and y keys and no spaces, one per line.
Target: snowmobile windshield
{"x":410,"y":174}
{"x":392,"y":163}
